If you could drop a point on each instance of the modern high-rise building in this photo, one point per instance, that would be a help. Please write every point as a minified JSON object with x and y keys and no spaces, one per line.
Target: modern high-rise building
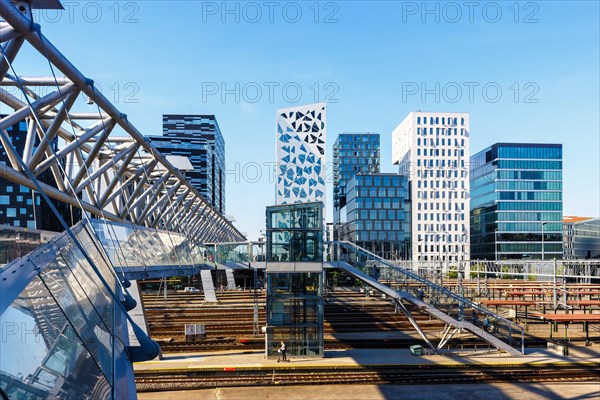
{"x":432,"y":150}
{"x":581,"y":237}
{"x":353,"y":153}
{"x":199,"y":138}
{"x":516,"y":202}
{"x":301,"y":138}
{"x":378,"y":215}
{"x":23,"y":207}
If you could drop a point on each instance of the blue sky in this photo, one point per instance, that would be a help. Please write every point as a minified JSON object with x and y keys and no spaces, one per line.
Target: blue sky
{"x":369,"y":60}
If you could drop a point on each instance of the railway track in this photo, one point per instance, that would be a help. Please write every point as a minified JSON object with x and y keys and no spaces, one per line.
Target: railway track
{"x":347,"y":314}
{"x":346,"y":344}
{"x":184,"y":380}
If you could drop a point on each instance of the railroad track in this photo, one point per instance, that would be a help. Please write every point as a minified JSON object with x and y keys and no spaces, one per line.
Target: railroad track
{"x":181,"y":380}
{"x":345,"y":344}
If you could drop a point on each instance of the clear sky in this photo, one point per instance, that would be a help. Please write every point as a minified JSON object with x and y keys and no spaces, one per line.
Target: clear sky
{"x":526,"y":72}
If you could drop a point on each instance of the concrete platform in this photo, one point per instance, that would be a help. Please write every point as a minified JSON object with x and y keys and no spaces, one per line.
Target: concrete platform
{"x":492,"y":391}
{"x":250,"y":360}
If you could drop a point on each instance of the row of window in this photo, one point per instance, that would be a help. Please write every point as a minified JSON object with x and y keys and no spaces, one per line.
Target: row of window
{"x":444,"y":120}
{"x":11,"y":189}
{"x":380,"y":235}
{"x":530,"y":152}
{"x":354,"y":152}
{"x":378,"y":203}
{"x":436,"y":248}
{"x":378,"y":225}
{"x":441,"y":131}
{"x":530,"y":195}
{"x":529,"y":226}
{"x":437,"y":152}
{"x":377,"y":214}
{"x":525,"y":164}
{"x":438,"y":172}
{"x":437,"y":227}
{"x":436,"y":194}
{"x":12,"y":212}
{"x":440,"y":163}
{"x":530,"y":216}
{"x":441,"y":257}
{"x":443,"y":142}
{"x":444,"y":184}
{"x":441,"y":216}
{"x":528,"y":247}
{"x":530,"y":206}
{"x":347,"y":138}
{"x":541,"y":175}
{"x":381,"y":192}
{"x":528,"y":185}
{"x":436,"y":206}
{"x":457,"y":238}
{"x":366,"y":160}
{"x":379,"y":180}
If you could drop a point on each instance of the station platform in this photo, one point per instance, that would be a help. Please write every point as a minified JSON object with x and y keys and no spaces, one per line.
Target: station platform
{"x":255,"y":360}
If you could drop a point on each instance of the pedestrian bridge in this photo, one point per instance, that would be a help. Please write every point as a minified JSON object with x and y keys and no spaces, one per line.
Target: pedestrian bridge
{"x":64,"y":307}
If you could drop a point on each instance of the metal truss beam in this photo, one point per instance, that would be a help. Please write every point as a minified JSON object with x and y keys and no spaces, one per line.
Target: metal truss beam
{"x":100,"y":161}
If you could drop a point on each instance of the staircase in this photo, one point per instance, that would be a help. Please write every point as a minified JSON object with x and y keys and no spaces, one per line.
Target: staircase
{"x":458,"y":312}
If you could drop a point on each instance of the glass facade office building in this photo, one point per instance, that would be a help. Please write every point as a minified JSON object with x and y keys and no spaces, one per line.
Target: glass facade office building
{"x":353,"y":153}
{"x":295,"y":279}
{"x":378,"y":215}
{"x":23,"y":207}
{"x":199,"y":138}
{"x":581,"y":238}
{"x":516,"y":202}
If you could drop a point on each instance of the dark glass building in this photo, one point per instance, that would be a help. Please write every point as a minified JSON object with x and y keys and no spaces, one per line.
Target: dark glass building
{"x":378,"y":215}
{"x":353,"y":153}
{"x":23,"y":207}
{"x":516,"y":202}
{"x":198,"y":138}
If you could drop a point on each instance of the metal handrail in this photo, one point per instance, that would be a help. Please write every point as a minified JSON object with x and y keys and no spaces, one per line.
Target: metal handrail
{"x":432,"y":285}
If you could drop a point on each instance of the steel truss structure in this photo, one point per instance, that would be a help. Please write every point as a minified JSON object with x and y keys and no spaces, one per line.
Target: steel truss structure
{"x":104,"y":165}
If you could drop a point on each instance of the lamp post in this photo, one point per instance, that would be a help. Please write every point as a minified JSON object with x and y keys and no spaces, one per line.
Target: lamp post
{"x":496,"y":244}
{"x":543,"y":224}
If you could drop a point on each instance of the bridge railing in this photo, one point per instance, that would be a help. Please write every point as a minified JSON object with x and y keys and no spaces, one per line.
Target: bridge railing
{"x":583,"y":271}
{"x":242,"y":252}
{"x":453,"y":304}
{"x":129,"y":245}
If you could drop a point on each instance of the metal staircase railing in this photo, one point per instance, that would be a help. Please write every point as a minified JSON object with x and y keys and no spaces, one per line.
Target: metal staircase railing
{"x":473,"y":316}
